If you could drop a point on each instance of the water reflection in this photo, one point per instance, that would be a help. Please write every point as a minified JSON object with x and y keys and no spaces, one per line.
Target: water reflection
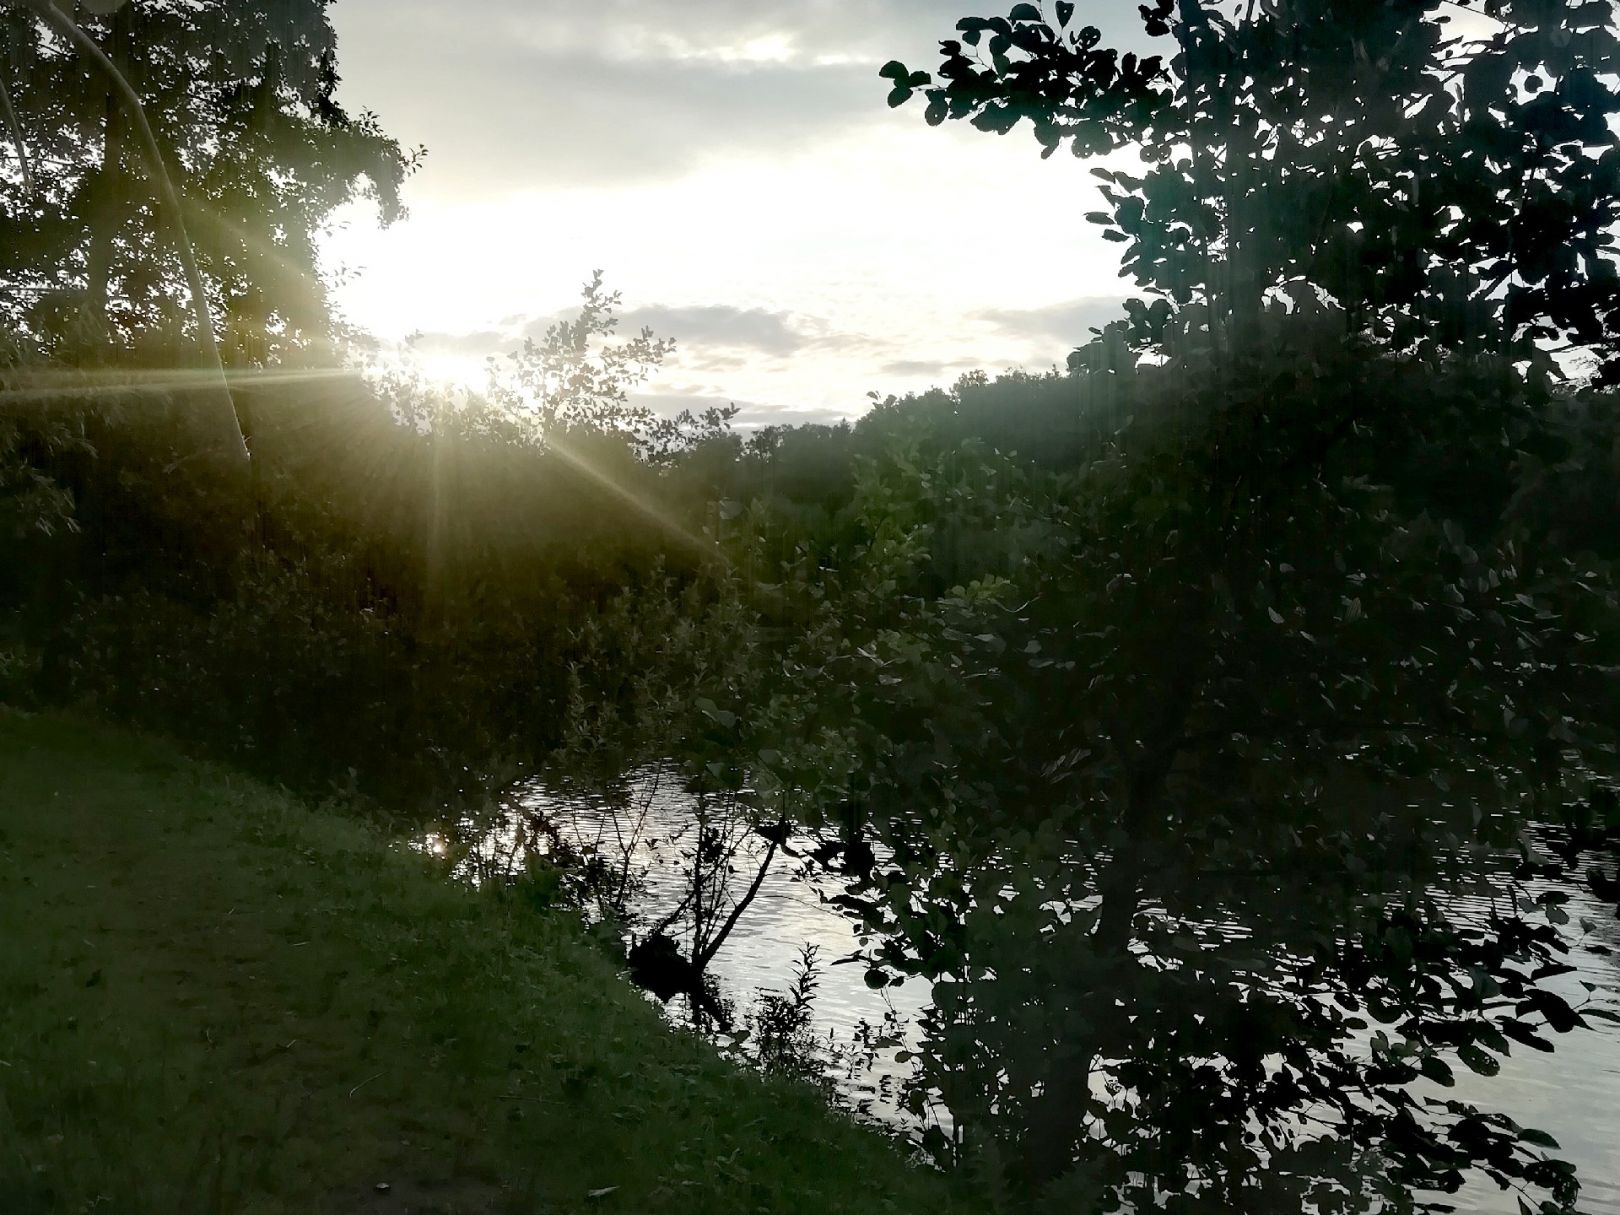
{"x":642,"y":836}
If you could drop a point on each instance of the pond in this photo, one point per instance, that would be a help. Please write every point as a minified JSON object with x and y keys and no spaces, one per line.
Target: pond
{"x":645,"y":834}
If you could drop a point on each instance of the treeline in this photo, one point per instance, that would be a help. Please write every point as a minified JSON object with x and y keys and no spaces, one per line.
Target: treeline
{"x":412,"y":593}
{"x":394,"y":597}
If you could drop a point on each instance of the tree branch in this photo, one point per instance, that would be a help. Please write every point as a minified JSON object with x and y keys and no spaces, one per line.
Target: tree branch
{"x":15,"y":129}
{"x":719,"y":939}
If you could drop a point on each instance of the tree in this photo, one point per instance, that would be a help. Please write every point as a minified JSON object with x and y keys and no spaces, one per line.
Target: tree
{"x":1174,"y":788}
{"x":241,"y":103}
{"x":1175,"y":780}
{"x":1445,"y":193}
{"x":132,"y":112}
{"x":573,"y":387}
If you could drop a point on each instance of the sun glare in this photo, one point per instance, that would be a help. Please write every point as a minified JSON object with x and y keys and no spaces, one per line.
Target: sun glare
{"x":452,"y":370}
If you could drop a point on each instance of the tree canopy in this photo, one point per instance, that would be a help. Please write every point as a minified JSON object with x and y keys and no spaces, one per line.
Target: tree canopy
{"x":241,"y":99}
{"x":1446,"y":191}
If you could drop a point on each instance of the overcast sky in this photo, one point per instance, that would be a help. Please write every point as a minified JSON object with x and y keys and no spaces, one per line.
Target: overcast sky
{"x":733,"y":168}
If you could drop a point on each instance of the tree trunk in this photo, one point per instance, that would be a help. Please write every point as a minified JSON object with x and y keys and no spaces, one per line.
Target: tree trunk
{"x":1054,"y":1127}
{"x":107,"y":197}
{"x":1054,"y":1130}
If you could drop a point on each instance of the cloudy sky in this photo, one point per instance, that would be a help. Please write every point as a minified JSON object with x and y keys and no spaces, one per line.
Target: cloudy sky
{"x":733,"y":168}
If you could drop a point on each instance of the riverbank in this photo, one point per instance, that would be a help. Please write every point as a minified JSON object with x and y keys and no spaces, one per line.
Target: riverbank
{"x":214,"y":999}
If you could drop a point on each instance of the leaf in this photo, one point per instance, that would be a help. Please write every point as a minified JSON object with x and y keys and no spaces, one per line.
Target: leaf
{"x":1560,"y":1016}
{"x":998,"y":53}
{"x":1520,"y":1032}
{"x":1478,"y":1061}
{"x":1436,"y":1069}
{"x":1539,"y":1138}
{"x":724,"y":718}
{"x":1276,"y":616}
{"x":1024,"y":12}
{"x":894,"y":70}
{"x":603,"y":1192}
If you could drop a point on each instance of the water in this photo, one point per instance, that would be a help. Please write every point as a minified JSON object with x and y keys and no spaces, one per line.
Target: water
{"x":650,"y":828}
{"x":1573,"y":1093}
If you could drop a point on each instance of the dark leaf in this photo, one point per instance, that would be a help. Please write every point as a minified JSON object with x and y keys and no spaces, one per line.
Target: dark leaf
{"x":1539,"y":1138}
{"x":1438,"y":1070}
{"x":1522,"y":1033}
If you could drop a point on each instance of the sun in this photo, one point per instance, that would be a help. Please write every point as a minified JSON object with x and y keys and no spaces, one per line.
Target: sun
{"x":452,"y":371}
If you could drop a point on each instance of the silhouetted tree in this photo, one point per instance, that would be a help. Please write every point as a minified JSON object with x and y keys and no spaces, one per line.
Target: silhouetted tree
{"x":241,"y":100}
{"x":1444,"y":191}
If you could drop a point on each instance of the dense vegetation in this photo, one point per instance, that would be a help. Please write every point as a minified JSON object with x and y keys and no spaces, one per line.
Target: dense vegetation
{"x":1153,"y":710}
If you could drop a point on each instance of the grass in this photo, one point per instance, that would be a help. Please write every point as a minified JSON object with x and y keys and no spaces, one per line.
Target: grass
{"x":214,"y":999}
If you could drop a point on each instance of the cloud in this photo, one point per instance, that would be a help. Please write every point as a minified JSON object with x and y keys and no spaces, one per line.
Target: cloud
{"x":668,"y":404}
{"x":548,"y":93}
{"x":474,"y":345}
{"x":707,"y":336}
{"x":701,"y":30}
{"x":751,"y":415}
{"x":540,"y":116}
{"x":1069,"y":322}
{"x":755,"y":417}
{"x":922,"y":368}
{"x":710,"y":325}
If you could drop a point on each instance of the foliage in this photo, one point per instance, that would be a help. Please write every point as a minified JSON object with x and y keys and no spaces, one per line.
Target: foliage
{"x":410,"y":556}
{"x":574,"y":385}
{"x":1324,"y":637}
{"x":782,"y":1037}
{"x":1155,"y":713}
{"x":1305,"y":692}
{"x":1447,"y":193}
{"x":241,"y":101}
{"x":31,"y":503}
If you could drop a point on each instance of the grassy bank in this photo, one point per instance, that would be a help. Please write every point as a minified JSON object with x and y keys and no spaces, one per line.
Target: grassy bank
{"x":213,"y":999}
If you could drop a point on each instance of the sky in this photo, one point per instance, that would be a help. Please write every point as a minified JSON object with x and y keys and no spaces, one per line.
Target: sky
{"x":734,"y":170}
